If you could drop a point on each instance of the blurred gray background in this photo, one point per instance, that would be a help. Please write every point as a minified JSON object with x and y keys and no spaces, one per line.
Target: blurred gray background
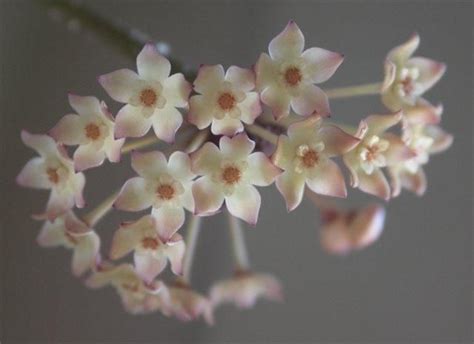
{"x":414,"y":285}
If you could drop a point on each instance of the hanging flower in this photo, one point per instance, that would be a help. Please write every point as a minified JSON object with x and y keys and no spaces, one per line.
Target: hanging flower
{"x":92,"y":129}
{"x":151,"y":251}
{"x":166,"y":186}
{"x":346,"y":231}
{"x":305,"y":156}
{"x":287,"y":77}
{"x":225,"y":99}
{"x":406,"y":77}
{"x":245,"y":288}
{"x":229,"y":174}
{"x":151,"y":97}
{"x":53,"y":170}
{"x":70,"y":232}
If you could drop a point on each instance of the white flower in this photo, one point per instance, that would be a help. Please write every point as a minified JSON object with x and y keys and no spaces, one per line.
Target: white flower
{"x":92,"y":130}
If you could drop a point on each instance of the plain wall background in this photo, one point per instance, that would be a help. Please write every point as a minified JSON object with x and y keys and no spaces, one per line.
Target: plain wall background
{"x":414,"y":285}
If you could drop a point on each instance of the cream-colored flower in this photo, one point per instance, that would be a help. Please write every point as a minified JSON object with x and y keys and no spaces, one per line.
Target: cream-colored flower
{"x":225,"y":99}
{"x":92,"y":129}
{"x":152,"y":96}
{"x":305,"y":156}
{"x":287,"y":76}
{"x":68,"y":231}
{"x":229,"y":174}
{"x":53,"y":170}
{"x":165,"y":186}
{"x":152,"y":249}
{"x":187,"y":304}
{"x":407,"y":77}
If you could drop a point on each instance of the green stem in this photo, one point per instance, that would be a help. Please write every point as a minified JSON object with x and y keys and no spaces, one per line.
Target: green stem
{"x":262,"y":133}
{"x":239,"y":250}
{"x":191,"y":241}
{"x":353,"y":91}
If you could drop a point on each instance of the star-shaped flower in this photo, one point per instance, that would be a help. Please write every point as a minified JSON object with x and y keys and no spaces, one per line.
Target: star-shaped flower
{"x":152,"y":96}
{"x":92,"y":129}
{"x":151,"y":250}
{"x":53,"y":170}
{"x":287,"y":77}
{"x":166,"y":186}
{"x":407,"y":77}
{"x":225,"y":99}
{"x":305,"y":156}
{"x":229,"y":174}
{"x":70,"y":232}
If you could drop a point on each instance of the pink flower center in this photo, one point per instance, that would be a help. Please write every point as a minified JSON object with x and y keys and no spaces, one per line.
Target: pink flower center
{"x":165,"y":191}
{"x":310,"y":158}
{"x":407,"y":85}
{"x":293,"y":76}
{"x":53,"y":175}
{"x":92,"y":131}
{"x":231,"y":175}
{"x":150,"y":243}
{"x":226,"y":101}
{"x":148,"y":97}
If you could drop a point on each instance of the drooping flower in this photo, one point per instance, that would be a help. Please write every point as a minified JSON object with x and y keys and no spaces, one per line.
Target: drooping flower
{"x":225,"y":99}
{"x":92,"y":128}
{"x":346,"y":231}
{"x":229,"y":174}
{"x":152,"y":248}
{"x":376,"y":149}
{"x":166,"y":186}
{"x":70,"y":232}
{"x":305,"y":156}
{"x":151,"y":97}
{"x":407,"y":77}
{"x":245,"y":288}
{"x":137,"y":296}
{"x":53,"y":170}
{"x":287,"y":77}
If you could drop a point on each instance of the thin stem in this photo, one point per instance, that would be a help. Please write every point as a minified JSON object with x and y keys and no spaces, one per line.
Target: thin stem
{"x":140,"y":143}
{"x":192,"y":234}
{"x":353,"y":91}
{"x":96,"y":214}
{"x":239,"y":249}
{"x":262,"y":133}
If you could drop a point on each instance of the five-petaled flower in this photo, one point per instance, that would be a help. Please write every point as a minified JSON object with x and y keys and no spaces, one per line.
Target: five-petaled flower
{"x":287,"y":77}
{"x":166,"y":186}
{"x":346,"y":231}
{"x":54,"y":170}
{"x":407,"y":77}
{"x":92,"y":129}
{"x":229,"y":173}
{"x":152,"y":248}
{"x":151,"y":97}
{"x":376,"y":150}
{"x":225,"y":99}
{"x":305,"y":154}
{"x":68,"y":231}
{"x":245,"y":288}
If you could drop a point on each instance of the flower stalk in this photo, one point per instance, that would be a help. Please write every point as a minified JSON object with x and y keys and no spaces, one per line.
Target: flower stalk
{"x":239,"y":249}
{"x":354,"y":91}
{"x":262,"y":133}
{"x":192,"y":234}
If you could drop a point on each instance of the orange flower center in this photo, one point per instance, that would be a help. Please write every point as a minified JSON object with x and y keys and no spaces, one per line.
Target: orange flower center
{"x":150,"y":243}
{"x":231,"y":175}
{"x":92,"y":131}
{"x":132,"y":287}
{"x":53,"y":175}
{"x":165,"y":191}
{"x":293,"y":76}
{"x":310,"y":158}
{"x":148,"y":97}
{"x":226,"y":101}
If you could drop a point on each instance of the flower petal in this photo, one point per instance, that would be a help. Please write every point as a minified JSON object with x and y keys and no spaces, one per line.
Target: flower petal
{"x":284,"y":152}
{"x":169,"y":219}
{"x":149,"y":164}
{"x":380,"y":123}
{"x":336,"y":141}
{"x":88,"y":156}
{"x":291,"y":186}
{"x":265,"y":71}
{"x":327,"y":179}
{"x":402,"y":52}
{"x":52,"y":233}
{"x":250,"y":108}
{"x":200,"y":111}
{"x":120,"y":85}
{"x":311,"y":101}
{"x":261,"y":171}
{"x":176,"y":90}
{"x":134,"y":196}
{"x":179,"y":166}
{"x":442,"y":140}
{"x":320,"y":64}
{"x":241,"y":78}
{"x":430,"y":71}
{"x":43,"y":144}
{"x":85,"y":105}
{"x":69,"y":130}
{"x":244,"y":203}
{"x":209,"y":78}
{"x":33,"y":175}
{"x":423,"y":113}
{"x":397,"y":152}
{"x":131,"y":123}
{"x":151,"y":65}
{"x":236,"y":148}
{"x":58,"y":203}
{"x":375,"y":184}
{"x":127,"y":237}
{"x":206,"y":160}
{"x":148,"y":266}
{"x":367,"y":226}
{"x":303,"y":131}
{"x":166,"y":123}
{"x":390,"y":72}
{"x":85,"y":253}
{"x":287,"y":44}
{"x":226,"y":126}
{"x":415,"y":182}
{"x":208,"y":196}
{"x":175,"y":255}
{"x":277,"y":100}
{"x":113,"y":149}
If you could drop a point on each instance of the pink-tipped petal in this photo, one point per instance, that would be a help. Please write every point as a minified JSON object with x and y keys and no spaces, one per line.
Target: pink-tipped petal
{"x":169,"y":219}
{"x":58,"y":204}
{"x":367,"y":226}
{"x":261,"y":171}
{"x":327,"y":179}
{"x":390,"y":72}
{"x":430,"y":71}
{"x":85,"y":253}
{"x":120,"y":85}
{"x":179,"y":166}
{"x":302,"y":131}
{"x":131,"y":123}
{"x":320,"y":64}
{"x":176,"y":90}
{"x":113,"y":150}
{"x":226,"y":126}
{"x":241,"y":78}
{"x":402,"y":52}
{"x":79,"y":180}
{"x":284,"y":153}
{"x":209,"y":78}
{"x":151,"y":65}
{"x":250,"y":108}
{"x":336,"y":141}
{"x":200,"y":111}
{"x":415,"y":182}
{"x":237,"y":147}
{"x":277,"y":100}
{"x":51,"y":234}
{"x":207,"y":195}
{"x":287,"y":44}
{"x":127,"y":237}
{"x":149,"y":164}
{"x":135,"y":195}
{"x":166,"y":123}
{"x":43,"y":144}
{"x":88,"y":156}
{"x":397,"y":152}
{"x":33,"y":175}
{"x":206,"y":160}
{"x":175,"y":255}
{"x":311,"y":101}
{"x":423,"y":113}
{"x":85,"y":105}
{"x":380,"y":123}
{"x":148,"y":266}
{"x":69,"y":130}
{"x":266,"y":72}
{"x":291,"y":186}
{"x":375,"y":184}
{"x":244,"y":203}
{"x":441,"y":139}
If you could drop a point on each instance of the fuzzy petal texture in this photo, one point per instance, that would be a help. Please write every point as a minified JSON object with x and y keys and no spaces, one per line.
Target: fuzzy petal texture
{"x":206,"y":160}
{"x":278,"y":101}
{"x":166,"y":123}
{"x":68,"y":130}
{"x":88,"y":156}
{"x":149,"y":164}
{"x":430,"y":71}
{"x":261,"y":171}
{"x":131,"y":123}
{"x":244,"y":203}
{"x":208,"y":78}
{"x":287,"y":44}
{"x":311,"y":101}
{"x":169,"y":220}
{"x":176,"y":90}
{"x":291,"y":185}
{"x":207,"y":196}
{"x":151,"y":65}
{"x":134,"y":196}
{"x":336,"y":141}
{"x":402,"y":52}
{"x":120,"y":85}
{"x":200,"y":111}
{"x":327,"y":179}
{"x":321,"y":64}
{"x":241,"y":78}
{"x":237,"y":148}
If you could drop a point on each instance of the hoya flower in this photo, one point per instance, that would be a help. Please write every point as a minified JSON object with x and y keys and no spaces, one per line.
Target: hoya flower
{"x":407,"y":77}
{"x":229,"y":174}
{"x":53,"y":170}
{"x":245,"y":288}
{"x":92,"y":129}
{"x":151,"y":251}
{"x":225,"y":99}
{"x":287,"y":77}
{"x":346,"y":231}
{"x":70,"y":232}
{"x":137,"y":296}
{"x":187,"y":304}
{"x":152,"y":96}
{"x":166,"y":186}
{"x":305,"y":156}
{"x":376,"y":150}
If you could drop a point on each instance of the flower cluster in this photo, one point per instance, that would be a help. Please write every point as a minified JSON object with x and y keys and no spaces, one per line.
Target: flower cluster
{"x":228,"y":117}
